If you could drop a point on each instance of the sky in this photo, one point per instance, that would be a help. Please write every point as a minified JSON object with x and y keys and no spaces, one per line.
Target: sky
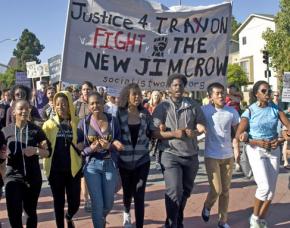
{"x":47,"y":18}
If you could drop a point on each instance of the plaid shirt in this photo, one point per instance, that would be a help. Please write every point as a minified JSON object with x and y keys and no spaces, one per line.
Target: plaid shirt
{"x":131,"y":157}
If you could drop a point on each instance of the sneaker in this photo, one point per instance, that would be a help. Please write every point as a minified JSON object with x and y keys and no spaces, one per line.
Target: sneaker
{"x":88,"y":206}
{"x":205,"y":214}
{"x":127,"y":220}
{"x":263,"y":223}
{"x":223,"y":225}
{"x":254,"y":222}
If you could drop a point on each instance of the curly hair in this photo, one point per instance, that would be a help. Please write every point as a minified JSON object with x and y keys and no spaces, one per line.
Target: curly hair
{"x":21,"y":87}
{"x":124,"y":95}
{"x":172,"y":77}
{"x":257,"y":86}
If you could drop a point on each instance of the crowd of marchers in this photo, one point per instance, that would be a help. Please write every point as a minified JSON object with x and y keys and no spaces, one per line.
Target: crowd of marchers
{"x":93,"y":144}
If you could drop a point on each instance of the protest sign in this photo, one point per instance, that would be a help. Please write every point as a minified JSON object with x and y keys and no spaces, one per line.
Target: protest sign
{"x":21,"y":79}
{"x":286,"y":87}
{"x":37,"y":70}
{"x":54,"y":66}
{"x":113,"y":43}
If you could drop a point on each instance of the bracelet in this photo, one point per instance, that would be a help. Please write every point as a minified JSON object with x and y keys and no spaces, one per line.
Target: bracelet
{"x":37,"y":151}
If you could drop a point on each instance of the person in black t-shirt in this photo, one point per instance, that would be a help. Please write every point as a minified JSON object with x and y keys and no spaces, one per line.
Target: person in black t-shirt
{"x":63,"y":168}
{"x":26,"y":142}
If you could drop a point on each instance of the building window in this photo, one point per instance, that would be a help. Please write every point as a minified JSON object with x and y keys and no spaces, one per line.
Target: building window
{"x":244,"y":40}
{"x":246,"y":66}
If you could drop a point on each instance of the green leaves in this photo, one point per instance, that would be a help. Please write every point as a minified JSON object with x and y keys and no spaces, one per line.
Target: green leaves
{"x":236,"y":75}
{"x":27,"y":49}
{"x":278,"y":42}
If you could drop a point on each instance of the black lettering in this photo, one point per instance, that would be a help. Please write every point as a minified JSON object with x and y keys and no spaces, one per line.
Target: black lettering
{"x":104,"y":61}
{"x":115,"y":21}
{"x":177,"y":41}
{"x":96,"y":18}
{"x":173,"y":25}
{"x":214,"y":25}
{"x":145,"y":66}
{"x":209,"y":62}
{"x":95,"y":62}
{"x":199,"y":24}
{"x":174,"y":68}
{"x":198,"y":67}
{"x":121,"y":63}
{"x":222,"y":67}
{"x":186,"y":66}
{"x":126,"y":24}
{"x":188,"y":45}
{"x":81,"y":5}
{"x":160,"y":19}
{"x":188,"y":25}
{"x":87,"y":15}
{"x":157,"y":72}
{"x":201,"y":43}
{"x":224,"y":25}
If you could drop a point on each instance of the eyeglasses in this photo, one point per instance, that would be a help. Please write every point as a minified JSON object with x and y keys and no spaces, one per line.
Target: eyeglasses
{"x":276,"y":95}
{"x":266,"y":91}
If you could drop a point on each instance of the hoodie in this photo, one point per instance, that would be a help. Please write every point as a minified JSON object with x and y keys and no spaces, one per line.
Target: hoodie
{"x":186,"y":116}
{"x":51,"y":129}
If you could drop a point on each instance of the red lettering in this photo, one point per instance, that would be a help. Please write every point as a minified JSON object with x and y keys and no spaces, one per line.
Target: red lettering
{"x":98,"y":34}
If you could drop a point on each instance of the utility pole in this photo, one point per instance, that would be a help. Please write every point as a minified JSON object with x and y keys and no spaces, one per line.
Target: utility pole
{"x":266,"y":61}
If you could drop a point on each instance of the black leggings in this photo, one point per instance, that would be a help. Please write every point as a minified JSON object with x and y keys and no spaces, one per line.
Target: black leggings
{"x":61,"y":183}
{"x":18,"y":197}
{"x":134,"y":183}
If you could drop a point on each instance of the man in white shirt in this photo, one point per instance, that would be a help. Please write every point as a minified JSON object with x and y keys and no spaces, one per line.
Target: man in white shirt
{"x":219,"y":156}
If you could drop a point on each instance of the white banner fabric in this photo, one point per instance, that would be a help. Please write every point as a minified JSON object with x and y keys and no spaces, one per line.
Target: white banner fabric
{"x":112,"y":43}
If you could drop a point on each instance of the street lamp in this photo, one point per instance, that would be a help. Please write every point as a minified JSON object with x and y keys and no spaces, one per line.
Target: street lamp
{"x":11,"y":39}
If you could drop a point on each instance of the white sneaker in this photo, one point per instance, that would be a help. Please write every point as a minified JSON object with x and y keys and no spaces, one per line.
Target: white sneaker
{"x":254,"y":222}
{"x":127,"y":220}
{"x":263,"y":223}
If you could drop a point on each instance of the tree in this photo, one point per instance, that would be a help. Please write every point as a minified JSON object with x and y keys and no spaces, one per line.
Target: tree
{"x":7,"y":79}
{"x":27,"y":49}
{"x":278,"y":41}
{"x":235,"y":26}
{"x":236,"y":75}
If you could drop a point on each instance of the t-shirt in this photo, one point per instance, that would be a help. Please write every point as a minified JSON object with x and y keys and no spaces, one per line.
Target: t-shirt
{"x":262,"y":121}
{"x":19,"y":165}
{"x":61,"y":160}
{"x":218,"y":143}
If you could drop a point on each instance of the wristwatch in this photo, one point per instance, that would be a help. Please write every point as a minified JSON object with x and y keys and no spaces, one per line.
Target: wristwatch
{"x":37,"y":151}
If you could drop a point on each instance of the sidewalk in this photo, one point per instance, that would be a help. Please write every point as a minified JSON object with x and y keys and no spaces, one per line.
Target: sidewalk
{"x":241,"y":200}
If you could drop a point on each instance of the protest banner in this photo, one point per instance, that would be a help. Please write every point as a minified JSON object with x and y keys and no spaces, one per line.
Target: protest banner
{"x":286,"y":87}
{"x":54,"y":66}
{"x":31,"y":69}
{"x":37,"y":70}
{"x":113,"y":43}
{"x":22,"y":79}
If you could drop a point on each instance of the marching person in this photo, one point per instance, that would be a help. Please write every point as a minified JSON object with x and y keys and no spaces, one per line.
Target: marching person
{"x":134,"y":163}
{"x":101,"y":142}
{"x":261,"y":120}
{"x":19,"y":92}
{"x":182,"y":116}
{"x":82,"y":109}
{"x":47,"y":111}
{"x":219,"y":159}
{"x":63,"y":167}
{"x":26,"y":143}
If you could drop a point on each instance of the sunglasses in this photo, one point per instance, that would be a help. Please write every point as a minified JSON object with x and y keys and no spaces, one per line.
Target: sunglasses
{"x":266,"y":91}
{"x":276,"y":95}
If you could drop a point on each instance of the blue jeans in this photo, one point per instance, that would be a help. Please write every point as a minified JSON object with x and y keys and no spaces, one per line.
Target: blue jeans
{"x":101,"y":178}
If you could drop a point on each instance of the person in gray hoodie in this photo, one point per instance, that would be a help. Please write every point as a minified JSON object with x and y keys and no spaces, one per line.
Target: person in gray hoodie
{"x":184,"y":120}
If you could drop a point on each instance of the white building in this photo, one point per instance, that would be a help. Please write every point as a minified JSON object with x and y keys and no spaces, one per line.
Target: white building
{"x":251,"y":45}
